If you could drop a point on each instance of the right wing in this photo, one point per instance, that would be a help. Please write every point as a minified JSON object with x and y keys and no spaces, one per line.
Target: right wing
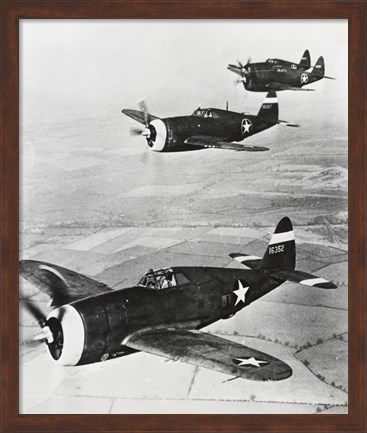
{"x":279,"y":86}
{"x":139,"y":116}
{"x":209,"y":351}
{"x":220,"y":143}
{"x":61,"y":284}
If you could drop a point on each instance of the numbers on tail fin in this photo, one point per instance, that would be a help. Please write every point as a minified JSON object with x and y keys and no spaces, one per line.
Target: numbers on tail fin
{"x":276,"y":249}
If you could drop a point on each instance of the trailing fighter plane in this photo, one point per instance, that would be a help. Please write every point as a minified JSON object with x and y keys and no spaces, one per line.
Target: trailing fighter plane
{"x":163,"y":312}
{"x":277,"y":74}
{"x":206,"y":127}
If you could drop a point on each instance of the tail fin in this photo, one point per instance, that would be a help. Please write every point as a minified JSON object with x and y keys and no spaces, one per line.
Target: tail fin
{"x":281,"y":251}
{"x":269,"y":109}
{"x":319,"y":68}
{"x":305,"y":62}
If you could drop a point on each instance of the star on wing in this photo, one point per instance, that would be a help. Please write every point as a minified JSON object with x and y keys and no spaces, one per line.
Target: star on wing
{"x":250,"y":361}
{"x":241,"y":292}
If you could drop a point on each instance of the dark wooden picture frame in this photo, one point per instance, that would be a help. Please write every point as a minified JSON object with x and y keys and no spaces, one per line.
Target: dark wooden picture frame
{"x":12,"y":12}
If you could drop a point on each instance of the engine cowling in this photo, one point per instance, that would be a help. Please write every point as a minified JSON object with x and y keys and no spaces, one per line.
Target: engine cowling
{"x":68,"y":335}
{"x":86,"y":331}
{"x":167,"y":135}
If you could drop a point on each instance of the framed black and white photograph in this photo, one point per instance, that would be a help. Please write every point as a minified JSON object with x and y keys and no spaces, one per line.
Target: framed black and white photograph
{"x":135,"y":199}
{"x":185,"y":207}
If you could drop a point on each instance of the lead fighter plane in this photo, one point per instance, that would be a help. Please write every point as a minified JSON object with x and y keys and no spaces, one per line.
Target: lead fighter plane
{"x":279,"y":74}
{"x":206,"y":127}
{"x":163,"y":313}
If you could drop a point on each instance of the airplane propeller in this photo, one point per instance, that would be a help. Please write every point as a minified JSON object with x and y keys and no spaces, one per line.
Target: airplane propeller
{"x":142,"y":131}
{"x":143,"y":107}
{"x":35,"y":311}
{"x":136,"y":131}
{"x":242,"y":70}
{"x":49,"y":333}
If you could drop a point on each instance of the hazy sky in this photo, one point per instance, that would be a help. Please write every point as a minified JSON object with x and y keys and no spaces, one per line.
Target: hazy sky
{"x":100,"y":66}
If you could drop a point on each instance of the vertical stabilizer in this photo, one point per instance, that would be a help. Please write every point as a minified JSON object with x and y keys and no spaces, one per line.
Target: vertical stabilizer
{"x":319,"y":68}
{"x":269,"y":110}
{"x":281,"y":251}
{"x":305,"y":62}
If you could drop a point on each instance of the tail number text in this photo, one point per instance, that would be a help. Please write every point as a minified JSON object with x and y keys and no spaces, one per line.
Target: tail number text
{"x":276,"y":249}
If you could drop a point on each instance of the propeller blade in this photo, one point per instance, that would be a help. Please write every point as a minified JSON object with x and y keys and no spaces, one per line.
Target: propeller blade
{"x":32,"y":343}
{"x":144,"y":109}
{"x":44,"y":335}
{"x":240,"y":81}
{"x":35,"y":311}
{"x":248,"y":61}
{"x":239,"y":63}
{"x":136,"y":131}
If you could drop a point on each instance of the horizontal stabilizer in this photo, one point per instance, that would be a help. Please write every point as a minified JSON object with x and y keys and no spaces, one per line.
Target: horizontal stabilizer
{"x":304,"y":278}
{"x":279,"y":122}
{"x":252,"y":262}
{"x":285,"y":123}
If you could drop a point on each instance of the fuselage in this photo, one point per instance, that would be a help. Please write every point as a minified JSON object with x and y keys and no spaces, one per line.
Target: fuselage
{"x":169,"y":134}
{"x":204,"y":296}
{"x":261,"y":75}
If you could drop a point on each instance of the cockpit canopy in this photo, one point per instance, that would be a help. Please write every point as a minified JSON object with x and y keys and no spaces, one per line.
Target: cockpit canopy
{"x":203,"y":112}
{"x":274,"y":61}
{"x":162,"y":279}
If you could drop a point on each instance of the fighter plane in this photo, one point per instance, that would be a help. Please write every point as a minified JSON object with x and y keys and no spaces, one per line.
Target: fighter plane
{"x":279,"y":74}
{"x":206,"y":127}
{"x":163,"y":313}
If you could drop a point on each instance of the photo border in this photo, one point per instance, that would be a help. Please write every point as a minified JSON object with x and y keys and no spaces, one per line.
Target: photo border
{"x":12,"y":12}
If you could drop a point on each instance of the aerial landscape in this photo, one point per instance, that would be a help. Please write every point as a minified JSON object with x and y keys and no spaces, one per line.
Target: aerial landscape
{"x":98,"y":201}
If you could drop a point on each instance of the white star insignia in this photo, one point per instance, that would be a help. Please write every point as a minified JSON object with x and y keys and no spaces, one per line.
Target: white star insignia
{"x":240,"y":293}
{"x":304,"y":78}
{"x":250,"y":361}
{"x":245,"y":126}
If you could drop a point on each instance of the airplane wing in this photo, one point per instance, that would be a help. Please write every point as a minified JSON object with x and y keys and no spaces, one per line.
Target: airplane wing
{"x":220,"y":143}
{"x":279,"y":86}
{"x":62,"y":285}
{"x":209,"y":351}
{"x":139,"y":116}
{"x":252,"y":262}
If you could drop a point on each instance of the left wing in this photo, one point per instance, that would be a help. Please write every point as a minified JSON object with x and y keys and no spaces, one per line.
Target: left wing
{"x":220,"y":143}
{"x":279,"y":86}
{"x":139,"y":116}
{"x":209,"y":351}
{"x":61,"y":284}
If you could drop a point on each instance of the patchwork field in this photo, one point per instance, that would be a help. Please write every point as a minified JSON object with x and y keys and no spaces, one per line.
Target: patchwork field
{"x":306,"y":327}
{"x":97,"y":201}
